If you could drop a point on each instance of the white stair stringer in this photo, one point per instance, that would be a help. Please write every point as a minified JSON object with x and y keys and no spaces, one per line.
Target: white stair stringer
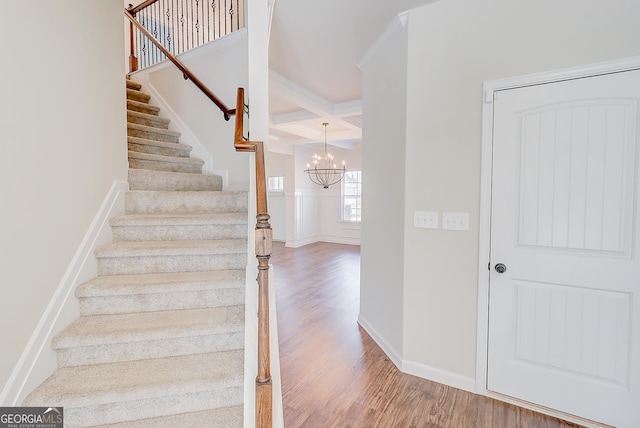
{"x":160,"y":338}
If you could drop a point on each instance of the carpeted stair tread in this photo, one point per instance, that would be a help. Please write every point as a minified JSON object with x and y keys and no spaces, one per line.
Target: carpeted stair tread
{"x":146,"y":119}
{"x":137,"y":327}
{"x":135,"y":257}
{"x":138,"y":160}
{"x":152,"y":133}
{"x":116,"y":285}
{"x":179,"y":219}
{"x":167,"y":159}
{"x":224,"y":417}
{"x":171,"y":248}
{"x":142,"y":107}
{"x":113,"y":382}
{"x":152,"y":341}
{"x":136,"y":95}
{"x":97,"y":384}
{"x":133,"y":85}
{"x":151,"y":201}
{"x":138,"y":140}
{"x":143,"y":145}
{"x":120,"y":294}
{"x":144,"y":179}
{"x":175,"y":227}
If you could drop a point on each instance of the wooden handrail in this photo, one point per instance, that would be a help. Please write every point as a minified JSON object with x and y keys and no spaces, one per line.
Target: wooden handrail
{"x":264,"y":245}
{"x":135,"y":9}
{"x":185,"y":72}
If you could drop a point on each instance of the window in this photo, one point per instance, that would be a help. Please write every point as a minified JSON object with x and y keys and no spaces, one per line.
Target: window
{"x":351,"y":196}
{"x":276,"y":183}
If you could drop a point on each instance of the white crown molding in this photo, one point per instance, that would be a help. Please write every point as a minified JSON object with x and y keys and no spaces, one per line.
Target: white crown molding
{"x":397,"y":24}
{"x":348,"y":108}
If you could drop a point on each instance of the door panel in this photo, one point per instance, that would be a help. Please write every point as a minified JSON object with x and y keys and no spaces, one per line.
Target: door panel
{"x":564,"y":331}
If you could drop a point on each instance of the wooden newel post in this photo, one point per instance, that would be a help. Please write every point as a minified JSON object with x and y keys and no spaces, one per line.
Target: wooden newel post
{"x":264,"y":245}
{"x":133,"y":61}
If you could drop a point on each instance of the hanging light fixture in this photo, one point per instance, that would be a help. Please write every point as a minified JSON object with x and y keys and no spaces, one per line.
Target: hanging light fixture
{"x":323,"y":171}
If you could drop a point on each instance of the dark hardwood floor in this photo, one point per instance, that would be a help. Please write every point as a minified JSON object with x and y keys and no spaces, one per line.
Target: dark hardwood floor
{"x":334,"y":374}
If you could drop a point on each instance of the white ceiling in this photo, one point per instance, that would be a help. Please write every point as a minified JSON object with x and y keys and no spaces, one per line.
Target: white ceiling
{"x":314,"y":50}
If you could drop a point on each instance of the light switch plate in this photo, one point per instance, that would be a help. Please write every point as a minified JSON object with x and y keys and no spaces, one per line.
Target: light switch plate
{"x":455,"y":221}
{"x":425,"y":219}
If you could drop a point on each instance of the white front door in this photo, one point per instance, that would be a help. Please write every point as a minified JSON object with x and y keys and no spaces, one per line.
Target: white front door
{"x":564,"y":317}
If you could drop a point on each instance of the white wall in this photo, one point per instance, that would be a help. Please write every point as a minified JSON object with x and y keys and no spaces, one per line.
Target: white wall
{"x":453,"y":46}
{"x":63,"y":143}
{"x":383,"y":191}
{"x":222,"y":67}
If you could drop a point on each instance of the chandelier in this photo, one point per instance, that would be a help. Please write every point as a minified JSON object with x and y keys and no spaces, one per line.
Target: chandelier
{"x":323,"y":171}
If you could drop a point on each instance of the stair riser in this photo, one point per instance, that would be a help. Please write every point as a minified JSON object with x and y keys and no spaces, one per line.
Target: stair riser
{"x":178,"y":151}
{"x":116,"y":352}
{"x":155,"y":122}
{"x":104,"y":305}
{"x":177,"y":233}
{"x":142,"y":108}
{"x":164,"y":166}
{"x":152,"y":407}
{"x":187,"y":202}
{"x":153,"y":134}
{"x":149,"y":180}
{"x":163,"y":264}
{"x":138,"y":96}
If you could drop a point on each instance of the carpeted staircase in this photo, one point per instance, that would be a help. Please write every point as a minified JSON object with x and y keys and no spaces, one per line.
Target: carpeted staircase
{"x":161,"y":335}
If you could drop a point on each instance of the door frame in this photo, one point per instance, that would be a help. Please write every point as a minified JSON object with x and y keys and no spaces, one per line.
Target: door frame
{"x":489,"y":88}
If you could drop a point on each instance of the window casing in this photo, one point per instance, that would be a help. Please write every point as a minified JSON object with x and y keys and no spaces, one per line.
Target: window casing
{"x":352,"y":196}
{"x":275,"y":183}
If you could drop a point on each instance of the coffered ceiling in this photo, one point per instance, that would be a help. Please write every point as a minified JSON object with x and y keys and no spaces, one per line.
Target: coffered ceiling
{"x":314,"y":52}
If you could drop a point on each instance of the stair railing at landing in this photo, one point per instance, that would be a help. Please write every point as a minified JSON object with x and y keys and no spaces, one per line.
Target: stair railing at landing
{"x":263,"y":232}
{"x":182,"y":26}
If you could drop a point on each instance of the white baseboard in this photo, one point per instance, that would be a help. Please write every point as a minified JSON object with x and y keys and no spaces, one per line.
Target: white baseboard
{"x":393,"y":355}
{"x":438,"y":375}
{"x":38,"y":360}
{"x":340,"y":240}
{"x":416,"y":369}
{"x":297,"y":243}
